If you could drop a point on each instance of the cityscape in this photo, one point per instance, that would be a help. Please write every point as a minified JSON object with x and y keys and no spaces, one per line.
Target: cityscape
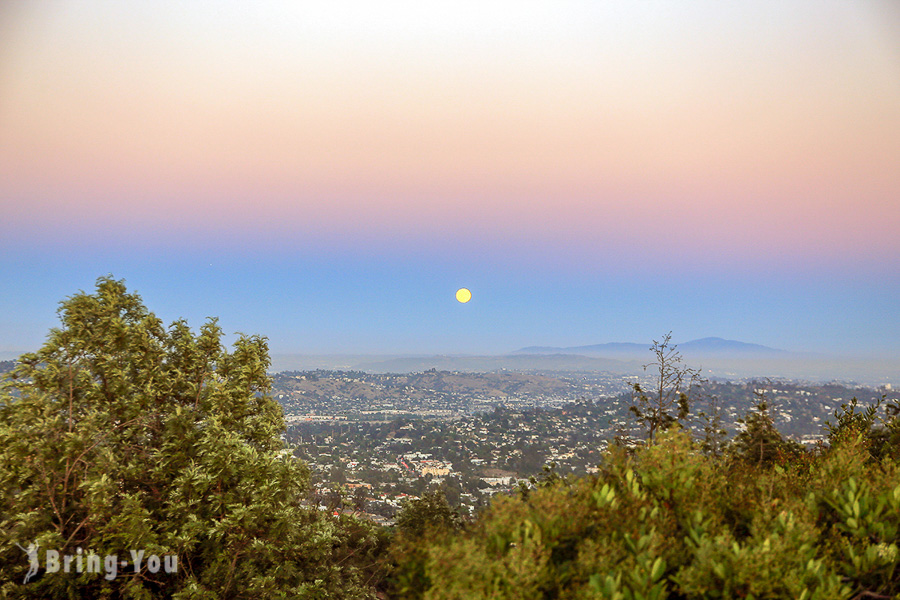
{"x":374,"y":441}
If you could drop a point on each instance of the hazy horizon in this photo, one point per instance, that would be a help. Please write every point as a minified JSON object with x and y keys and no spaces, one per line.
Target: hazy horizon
{"x":329,"y":175}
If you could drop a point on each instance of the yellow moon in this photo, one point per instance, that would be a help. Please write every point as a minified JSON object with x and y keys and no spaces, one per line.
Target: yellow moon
{"x":463,"y":295}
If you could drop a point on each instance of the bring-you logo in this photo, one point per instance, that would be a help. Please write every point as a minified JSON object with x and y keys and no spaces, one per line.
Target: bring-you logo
{"x":109,"y":565}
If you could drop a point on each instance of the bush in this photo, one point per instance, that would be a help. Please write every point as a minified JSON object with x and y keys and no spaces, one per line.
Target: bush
{"x":672,"y":522}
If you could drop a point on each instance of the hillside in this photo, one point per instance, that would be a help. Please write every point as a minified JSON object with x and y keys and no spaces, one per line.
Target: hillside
{"x":428,"y":392}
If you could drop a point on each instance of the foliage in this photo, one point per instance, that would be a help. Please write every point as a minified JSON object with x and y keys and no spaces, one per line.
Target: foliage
{"x":671,"y":521}
{"x":714,"y":432}
{"x":422,"y":522}
{"x":851,"y":419}
{"x":431,"y":511}
{"x":760,"y":441}
{"x":120,"y":435}
{"x":881,"y":433}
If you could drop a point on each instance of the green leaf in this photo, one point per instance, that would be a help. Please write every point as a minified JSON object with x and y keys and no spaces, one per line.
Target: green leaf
{"x":659,"y":567}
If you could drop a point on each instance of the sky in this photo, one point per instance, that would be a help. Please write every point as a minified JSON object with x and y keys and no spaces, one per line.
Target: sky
{"x":329,"y":174}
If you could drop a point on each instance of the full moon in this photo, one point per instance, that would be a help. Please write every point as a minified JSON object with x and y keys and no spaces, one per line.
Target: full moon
{"x":463,"y":295}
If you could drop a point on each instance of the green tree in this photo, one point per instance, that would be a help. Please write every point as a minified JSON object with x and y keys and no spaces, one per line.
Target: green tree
{"x":668,"y":401}
{"x":360,"y":495}
{"x":888,"y":435}
{"x":430,"y":512}
{"x":121,"y":435}
{"x":881,"y":434}
{"x":760,"y":442}
{"x":714,"y":433}
{"x":423,"y":522}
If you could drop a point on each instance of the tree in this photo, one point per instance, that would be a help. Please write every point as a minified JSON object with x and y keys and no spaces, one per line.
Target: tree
{"x":881,"y":434}
{"x":453,"y":490}
{"x":672,"y":390}
{"x":120,"y":435}
{"x":420,"y":523}
{"x":431,"y":511}
{"x":360,"y":496}
{"x":760,"y":442}
{"x":714,"y":433}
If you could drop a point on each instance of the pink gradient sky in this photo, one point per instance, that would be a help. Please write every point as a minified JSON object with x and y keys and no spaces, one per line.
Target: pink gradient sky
{"x":757,"y":137}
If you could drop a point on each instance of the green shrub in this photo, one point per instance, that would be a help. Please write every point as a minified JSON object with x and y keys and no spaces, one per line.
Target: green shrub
{"x":672,"y":522}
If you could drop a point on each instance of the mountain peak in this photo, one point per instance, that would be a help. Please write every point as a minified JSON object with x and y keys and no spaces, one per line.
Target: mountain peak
{"x":715,"y":345}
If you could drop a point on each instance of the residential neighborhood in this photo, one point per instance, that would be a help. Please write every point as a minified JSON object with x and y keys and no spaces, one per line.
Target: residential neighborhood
{"x":374,"y":441}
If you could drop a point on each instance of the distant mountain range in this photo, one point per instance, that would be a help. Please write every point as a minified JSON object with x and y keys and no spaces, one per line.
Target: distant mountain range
{"x":710,"y":346}
{"x":716,"y":357}
{"x":617,"y":357}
